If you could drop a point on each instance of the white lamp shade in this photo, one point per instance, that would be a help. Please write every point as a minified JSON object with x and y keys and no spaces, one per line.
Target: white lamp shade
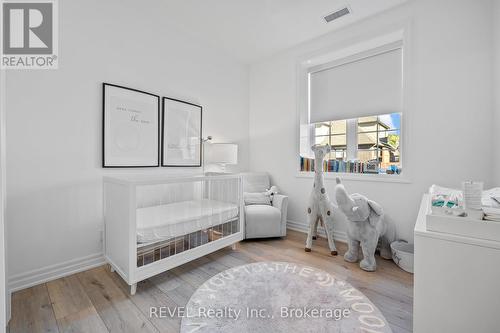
{"x":222,"y":153}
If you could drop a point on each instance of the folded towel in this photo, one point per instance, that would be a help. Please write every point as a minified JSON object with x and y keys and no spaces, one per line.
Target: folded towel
{"x":491,"y":197}
{"x":491,"y":211}
{"x":491,"y":218}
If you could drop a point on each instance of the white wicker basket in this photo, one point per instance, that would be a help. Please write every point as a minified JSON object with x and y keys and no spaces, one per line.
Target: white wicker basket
{"x":402,"y":254}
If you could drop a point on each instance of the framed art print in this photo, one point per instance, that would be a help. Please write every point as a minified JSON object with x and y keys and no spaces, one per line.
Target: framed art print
{"x":131,"y":128}
{"x":181,"y":139}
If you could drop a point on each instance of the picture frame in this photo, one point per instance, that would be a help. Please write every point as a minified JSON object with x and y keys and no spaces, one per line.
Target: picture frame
{"x":181,"y":133}
{"x":130,"y":127}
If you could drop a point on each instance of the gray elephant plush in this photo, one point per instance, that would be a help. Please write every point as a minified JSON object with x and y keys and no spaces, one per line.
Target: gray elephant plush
{"x":365,"y":228}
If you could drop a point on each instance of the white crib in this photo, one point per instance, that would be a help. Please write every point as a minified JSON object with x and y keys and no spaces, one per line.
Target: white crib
{"x":155,"y":223}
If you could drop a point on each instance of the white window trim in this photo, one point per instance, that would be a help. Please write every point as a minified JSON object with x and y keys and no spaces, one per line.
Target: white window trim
{"x":336,"y":55}
{"x":352,"y":139}
{"x":358,"y":177}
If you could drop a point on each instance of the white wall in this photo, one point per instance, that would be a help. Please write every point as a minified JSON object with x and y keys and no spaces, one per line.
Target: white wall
{"x":54,"y":199}
{"x":496,"y":86}
{"x":449,"y":137}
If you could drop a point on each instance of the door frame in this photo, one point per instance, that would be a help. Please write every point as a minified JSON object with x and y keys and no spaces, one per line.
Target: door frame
{"x":5,"y":294}
{"x":4,"y":291}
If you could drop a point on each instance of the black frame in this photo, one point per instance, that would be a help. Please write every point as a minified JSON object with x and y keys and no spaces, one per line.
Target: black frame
{"x":104,"y":84}
{"x":163,"y":132}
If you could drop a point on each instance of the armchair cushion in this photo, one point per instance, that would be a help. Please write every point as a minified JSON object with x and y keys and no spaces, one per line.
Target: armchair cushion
{"x":256,"y":198}
{"x":262,"y":221}
{"x":255,"y":182}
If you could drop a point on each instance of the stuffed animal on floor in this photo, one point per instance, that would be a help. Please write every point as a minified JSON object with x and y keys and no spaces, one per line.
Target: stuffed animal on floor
{"x":366,"y":226}
{"x":319,"y":206}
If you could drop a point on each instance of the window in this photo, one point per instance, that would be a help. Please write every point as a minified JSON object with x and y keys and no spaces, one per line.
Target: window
{"x":333,"y":133}
{"x":375,"y":143}
{"x":354,"y":104}
{"x":378,"y":141}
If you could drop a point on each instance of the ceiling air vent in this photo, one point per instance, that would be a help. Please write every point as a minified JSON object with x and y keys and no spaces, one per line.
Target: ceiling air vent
{"x":337,"y":14}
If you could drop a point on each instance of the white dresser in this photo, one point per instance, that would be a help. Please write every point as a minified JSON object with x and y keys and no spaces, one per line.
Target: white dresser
{"x":456,"y":281}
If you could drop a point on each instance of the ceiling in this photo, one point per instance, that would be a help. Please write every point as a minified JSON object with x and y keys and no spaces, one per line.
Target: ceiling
{"x":250,"y":30}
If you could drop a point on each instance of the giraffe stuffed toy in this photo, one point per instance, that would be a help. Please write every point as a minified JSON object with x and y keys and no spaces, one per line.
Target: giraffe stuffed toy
{"x":320,"y":208}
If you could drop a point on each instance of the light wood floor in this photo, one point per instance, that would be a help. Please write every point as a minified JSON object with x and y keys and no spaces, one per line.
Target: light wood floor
{"x":98,"y":301}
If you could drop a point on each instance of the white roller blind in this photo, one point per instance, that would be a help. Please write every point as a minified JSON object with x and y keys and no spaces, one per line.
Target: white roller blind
{"x":365,"y":87}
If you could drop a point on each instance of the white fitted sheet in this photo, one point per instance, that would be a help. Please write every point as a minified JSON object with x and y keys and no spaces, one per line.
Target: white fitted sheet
{"x":180,"y":218}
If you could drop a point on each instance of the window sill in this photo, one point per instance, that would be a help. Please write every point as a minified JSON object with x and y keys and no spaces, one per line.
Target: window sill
{"x":364,"y":177}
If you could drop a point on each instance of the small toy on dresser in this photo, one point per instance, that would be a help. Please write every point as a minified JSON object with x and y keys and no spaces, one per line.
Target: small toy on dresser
{"x":366,"y":226}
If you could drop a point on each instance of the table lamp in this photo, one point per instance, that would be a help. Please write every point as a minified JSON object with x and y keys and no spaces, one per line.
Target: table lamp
{"x":221,"y":154}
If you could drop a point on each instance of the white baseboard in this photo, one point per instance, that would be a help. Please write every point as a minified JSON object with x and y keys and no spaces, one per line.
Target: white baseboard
{"x":52,"y":272}
{"x":340,"y":236}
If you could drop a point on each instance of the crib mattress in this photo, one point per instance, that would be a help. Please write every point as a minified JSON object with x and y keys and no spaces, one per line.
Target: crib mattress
{"x":180,"y":218}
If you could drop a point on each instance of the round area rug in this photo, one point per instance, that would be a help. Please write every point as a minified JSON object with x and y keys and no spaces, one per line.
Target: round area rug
{"x":280,"y":297}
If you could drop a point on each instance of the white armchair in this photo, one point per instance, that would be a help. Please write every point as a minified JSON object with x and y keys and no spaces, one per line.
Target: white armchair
{"x":263,"y":220}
